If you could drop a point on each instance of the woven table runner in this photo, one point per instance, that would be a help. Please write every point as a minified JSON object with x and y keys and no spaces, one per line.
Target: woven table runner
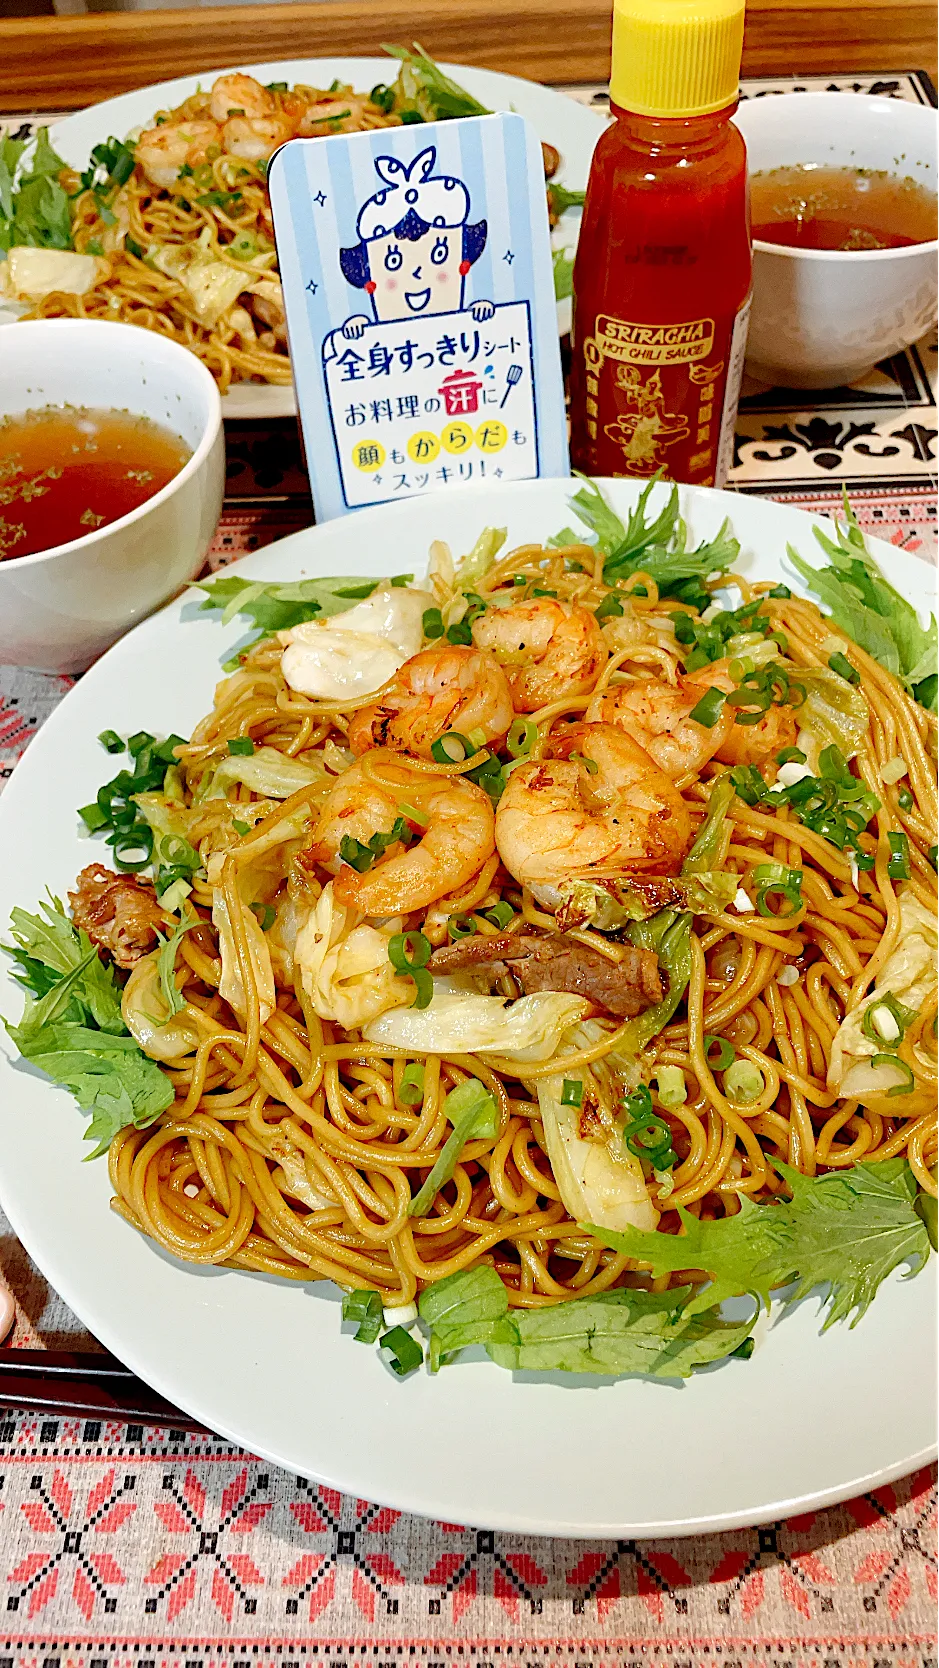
{"x":125,"y":1547}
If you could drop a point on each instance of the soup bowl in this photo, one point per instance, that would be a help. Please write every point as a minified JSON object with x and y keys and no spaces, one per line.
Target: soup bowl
{"x":61,"y":607}
{"x":822,"y":317}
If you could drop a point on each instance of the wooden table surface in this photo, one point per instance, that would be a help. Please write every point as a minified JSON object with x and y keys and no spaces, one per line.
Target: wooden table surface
{"x":68,"y":62}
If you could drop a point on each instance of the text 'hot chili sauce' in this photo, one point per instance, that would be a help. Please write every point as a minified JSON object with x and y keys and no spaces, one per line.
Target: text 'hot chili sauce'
{"x":662,"y":274}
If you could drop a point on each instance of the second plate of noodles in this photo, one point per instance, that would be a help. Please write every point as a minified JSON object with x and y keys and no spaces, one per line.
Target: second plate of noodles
{"x":539,"y":945}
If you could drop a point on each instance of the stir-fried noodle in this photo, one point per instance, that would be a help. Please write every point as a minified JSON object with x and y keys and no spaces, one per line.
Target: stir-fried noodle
{"x":297,"y":1145}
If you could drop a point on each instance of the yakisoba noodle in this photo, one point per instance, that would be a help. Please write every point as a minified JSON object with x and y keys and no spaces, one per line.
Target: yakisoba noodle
{"x":291,"y":1148}
{"x":145,"y":237}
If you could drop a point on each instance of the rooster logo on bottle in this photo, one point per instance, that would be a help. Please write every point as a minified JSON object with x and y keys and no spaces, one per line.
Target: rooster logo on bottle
{"x":644,"y":428}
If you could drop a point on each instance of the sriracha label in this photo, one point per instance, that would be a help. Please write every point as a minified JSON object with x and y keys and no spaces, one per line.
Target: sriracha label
{"x":656,"y":395}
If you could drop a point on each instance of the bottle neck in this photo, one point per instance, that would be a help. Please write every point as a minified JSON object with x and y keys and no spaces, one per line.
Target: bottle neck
{"x":661,"y":135}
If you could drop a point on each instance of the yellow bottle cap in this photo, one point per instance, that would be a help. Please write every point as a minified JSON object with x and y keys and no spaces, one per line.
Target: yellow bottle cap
{"x":676,"y":57}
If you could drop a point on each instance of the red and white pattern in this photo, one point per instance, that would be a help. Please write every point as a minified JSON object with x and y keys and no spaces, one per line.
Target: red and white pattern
{"x":125,"y":1548}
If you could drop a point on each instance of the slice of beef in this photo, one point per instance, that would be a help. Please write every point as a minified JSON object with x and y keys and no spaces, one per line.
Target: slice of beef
{"x":118,"y":912}
{"x":624,"y":988}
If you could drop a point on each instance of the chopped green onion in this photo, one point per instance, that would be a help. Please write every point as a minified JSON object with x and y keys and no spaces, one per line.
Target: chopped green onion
{"x":779,"y":591}
{"x":521,"y":737}
{"x":409,"y":953}
{"x":671,"y":1085}
{"x":399,"y":580}
{"x":240,"y":827}
{"x":905,"y":1088}
{"x":432,"y":623}
{"x":885,"y":1020}
{"x":408,"y":950}
{"x":726,"y":1053}
{"x":647,"y":1136}
{"x":473,"y":1114}
{"x":572,"y":1092}
{"x":441,"y":750}
{"x":126,"y":842}
{"x":241,"y":747}
{"x":111,"y":741}
{"x":93,"y":817}
{"x":413,"y":815}
{"x":864,"y":860}
{"x":460,"y":926}
{"x":790,"y":755}
{"x":266,"y":914}
{"x":590,"y":765}
{"x":743,"y":1081}
{"x":137,"y":742}
{"x":898,"y":865}
{"x":500,"y":914}
{"x":537,"y":591}
{"x":709,"y":708}
{"x":404,"y":1351}
{"x":365,"y":1307}
{"x":933,"y":855}
{"x":357,"y":855}
{"x":683,"y":626}
{"x":748,"y":784}
{"x":905,"y":799}
{"x":460,"y":632}
{"x":519,"y":579}
{"x":411,"y":1092}
{"x":775,"y":879}
{"x":841,"y":664}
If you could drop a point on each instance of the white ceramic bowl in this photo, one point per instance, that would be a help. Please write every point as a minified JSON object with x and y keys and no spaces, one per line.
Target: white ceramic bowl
{"x":61,"y":607}
{"x":820,"y":317}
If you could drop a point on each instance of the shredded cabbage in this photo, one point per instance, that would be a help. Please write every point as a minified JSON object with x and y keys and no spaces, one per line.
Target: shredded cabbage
{"x":457,"y":1023}
{"x":909,"y":974}
{"x":344,"y":965}
{"x":145,"y":1013}
{"x":266,"y":771}
{"x":230,"y":986}
{"x":834,"y":712}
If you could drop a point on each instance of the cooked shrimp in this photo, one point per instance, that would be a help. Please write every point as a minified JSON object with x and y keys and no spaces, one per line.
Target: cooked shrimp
{"x":335,"y":115}
{"x":458,"y":837}
{"x":163,"y":151}
{"x":658,"y":716}
{"x":254,"y":138}
{"x":548,"y":649}
{"x":749,"y":743}
{"x":239,"y":95}
{"x":559,"y":819}
{"x":436,"y":690}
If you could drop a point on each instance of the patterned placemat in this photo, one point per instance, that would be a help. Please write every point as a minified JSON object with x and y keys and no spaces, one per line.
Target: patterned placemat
{"x":126,"y":1548}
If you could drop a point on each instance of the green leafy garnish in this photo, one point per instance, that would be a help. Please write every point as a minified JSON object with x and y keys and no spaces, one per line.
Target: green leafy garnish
{"x":562,"y":262}
{"x":72,"y":1029}
{"x":34,"y":208}
{"x":560,"y":199}
{"x":865,"y":605}
{"x":656,"y":544}
{"x":423,"y":88}
{"x":277,"y":607}
{"x":617,"y":1333}
{"x":848,"y":1229}
{"x":166,"y":964}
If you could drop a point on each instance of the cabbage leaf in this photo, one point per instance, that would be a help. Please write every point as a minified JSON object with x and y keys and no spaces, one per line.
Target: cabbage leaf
{"x":528,"y":1029}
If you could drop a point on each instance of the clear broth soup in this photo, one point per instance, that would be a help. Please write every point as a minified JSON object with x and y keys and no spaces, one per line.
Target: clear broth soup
{"x":807,"y":207}
{"x":67,"y":470}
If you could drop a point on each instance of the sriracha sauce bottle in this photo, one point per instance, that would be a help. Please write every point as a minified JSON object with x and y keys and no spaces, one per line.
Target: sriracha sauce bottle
{"x":663,"y":267}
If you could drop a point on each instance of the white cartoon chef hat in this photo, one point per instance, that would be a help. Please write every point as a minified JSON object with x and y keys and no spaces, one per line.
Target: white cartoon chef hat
{"x":438,"y":200}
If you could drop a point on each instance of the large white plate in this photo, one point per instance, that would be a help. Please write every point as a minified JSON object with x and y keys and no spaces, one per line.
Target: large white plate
{"x":571,"y":127}
{"x":807,"y":1421}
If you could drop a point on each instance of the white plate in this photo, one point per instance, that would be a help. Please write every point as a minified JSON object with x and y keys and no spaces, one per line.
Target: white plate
{"x":807,"y":1421}
{"x":571,"y":127}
